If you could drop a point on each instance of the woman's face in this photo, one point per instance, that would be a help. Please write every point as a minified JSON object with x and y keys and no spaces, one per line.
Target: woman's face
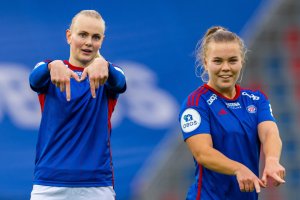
{"x":85,"y":39}
{"x":223,"y":61}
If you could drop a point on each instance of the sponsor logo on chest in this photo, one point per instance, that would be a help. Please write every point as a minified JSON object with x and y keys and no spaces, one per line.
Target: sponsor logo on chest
{"x":234,"y":105}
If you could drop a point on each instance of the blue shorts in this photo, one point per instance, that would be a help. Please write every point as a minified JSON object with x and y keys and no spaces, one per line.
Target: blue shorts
{"x":40,"y":192}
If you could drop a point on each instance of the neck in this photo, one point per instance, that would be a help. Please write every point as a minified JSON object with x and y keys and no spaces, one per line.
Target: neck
{"x":229,"y":93}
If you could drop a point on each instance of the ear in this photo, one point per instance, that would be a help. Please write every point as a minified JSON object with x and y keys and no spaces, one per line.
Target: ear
{"x":101,"y":42}
{"x":68,"y":36}
{"x":205,"y":65}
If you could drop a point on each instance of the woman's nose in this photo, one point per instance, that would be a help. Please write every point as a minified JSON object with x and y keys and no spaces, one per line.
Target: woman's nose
{"x":88,"y":41}
{"x":225,"y":66}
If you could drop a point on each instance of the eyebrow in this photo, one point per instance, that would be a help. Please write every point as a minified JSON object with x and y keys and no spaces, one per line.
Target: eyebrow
{"x":99,"y":34}
{"x":222,"y":57}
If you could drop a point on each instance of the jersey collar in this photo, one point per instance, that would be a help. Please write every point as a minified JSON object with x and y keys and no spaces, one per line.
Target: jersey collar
{"x":72,"y":67}
{"x":237,"y":89}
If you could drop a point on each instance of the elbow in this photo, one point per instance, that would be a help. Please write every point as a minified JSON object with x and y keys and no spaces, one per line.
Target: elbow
{"x":116,"y":79}
{"x":117,"y":86}
{"x":201,"y":158}
{"x":122,"y":86}
{"x":205,"y":156}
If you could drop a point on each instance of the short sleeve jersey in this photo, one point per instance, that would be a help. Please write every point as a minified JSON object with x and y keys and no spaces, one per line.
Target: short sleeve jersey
{"x":233,"y":126}
{"x":73,"y":147}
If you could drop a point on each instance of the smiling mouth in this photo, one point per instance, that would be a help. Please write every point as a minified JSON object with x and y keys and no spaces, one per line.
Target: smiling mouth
{"x":225,"y":76}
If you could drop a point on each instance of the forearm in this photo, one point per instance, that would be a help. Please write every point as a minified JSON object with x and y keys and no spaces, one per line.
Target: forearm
{"x":272,"y":146}
{"x":40,"y":76}
{"x":116,"y":79}
{"x":218,"y":162}
{"x":270,"y":139}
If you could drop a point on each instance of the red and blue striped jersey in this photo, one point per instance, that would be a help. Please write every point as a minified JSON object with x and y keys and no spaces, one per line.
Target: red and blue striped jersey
{"x":73,"y":146}
{"x":233,"y":126}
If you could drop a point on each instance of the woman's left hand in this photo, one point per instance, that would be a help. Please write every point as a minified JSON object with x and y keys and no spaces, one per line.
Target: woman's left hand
{"x":97,"y":72}
{"x":274,"y":170}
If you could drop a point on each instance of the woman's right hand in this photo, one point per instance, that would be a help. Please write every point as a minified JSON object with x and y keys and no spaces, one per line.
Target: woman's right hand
{"x":60,"y":76}
{"x":247,"y":180}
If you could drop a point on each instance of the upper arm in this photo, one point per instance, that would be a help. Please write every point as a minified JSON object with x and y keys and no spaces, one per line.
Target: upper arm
{"x":264,"y":109}
{"x":39,"y":78}
{"x":194,"y":121}
{"x":199,"y":143}
{"x":116,"y":79}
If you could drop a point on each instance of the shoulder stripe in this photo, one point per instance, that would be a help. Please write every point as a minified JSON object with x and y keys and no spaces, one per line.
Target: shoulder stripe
{"x":198,"y":96}
{"x":193,"y":98}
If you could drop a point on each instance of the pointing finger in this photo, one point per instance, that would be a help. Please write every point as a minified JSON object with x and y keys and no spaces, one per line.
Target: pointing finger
{"x":93,"y":90}
{"x":96,"y":84}
{"x":264,"y":179}
{"x":62,"y":87}
{"x":277,"y":178}
{"x":261,"y":183}
{"x":257,"y":187}
{"x":68,"y":90}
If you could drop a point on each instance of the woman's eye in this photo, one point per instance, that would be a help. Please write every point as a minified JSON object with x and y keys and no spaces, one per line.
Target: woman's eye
{"x":217,"y":61}
{"x":83,"y":35}
{"x":232,"y":61}
{"x":97,"y":37}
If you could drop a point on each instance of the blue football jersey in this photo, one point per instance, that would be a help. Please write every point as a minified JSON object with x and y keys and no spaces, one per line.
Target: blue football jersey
{"x":233,"y":126}
{"x":73,"y":147}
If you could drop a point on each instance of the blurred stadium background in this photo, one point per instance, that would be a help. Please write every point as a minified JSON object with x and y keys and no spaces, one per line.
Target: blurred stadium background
{"x":154,"y":41}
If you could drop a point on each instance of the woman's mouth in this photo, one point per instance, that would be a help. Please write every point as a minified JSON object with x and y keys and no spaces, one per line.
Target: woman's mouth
{"x":87,"y":51}
{"x":225,"y":76}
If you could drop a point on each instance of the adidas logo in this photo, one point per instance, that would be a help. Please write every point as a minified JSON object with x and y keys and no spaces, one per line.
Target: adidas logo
{"x":222,"y":112}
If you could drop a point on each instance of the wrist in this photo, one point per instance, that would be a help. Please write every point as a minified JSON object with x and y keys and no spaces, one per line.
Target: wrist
{"x":237,"y":168}
{"x":101,"y":60}
{"x":53,"y":63}
{"x":271,"y":158}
